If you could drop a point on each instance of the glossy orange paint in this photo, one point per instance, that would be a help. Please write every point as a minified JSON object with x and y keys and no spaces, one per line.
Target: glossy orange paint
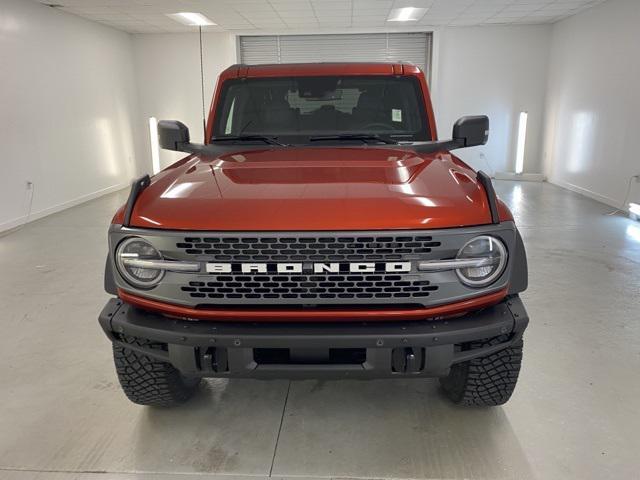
{"x":314,"y":189}
{"x":320,"y":188}
{"x":452,"y":309}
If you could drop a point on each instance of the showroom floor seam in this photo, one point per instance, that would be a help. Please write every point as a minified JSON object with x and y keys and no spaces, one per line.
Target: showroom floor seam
{"x":284,"y":409}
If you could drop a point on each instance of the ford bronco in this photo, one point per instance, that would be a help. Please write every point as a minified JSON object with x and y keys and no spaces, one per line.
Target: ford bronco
{"x":321,"y":231}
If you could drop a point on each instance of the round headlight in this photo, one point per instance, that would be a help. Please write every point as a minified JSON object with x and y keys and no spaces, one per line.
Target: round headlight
{"x":492,"y":258}
{"x":132,"y":249}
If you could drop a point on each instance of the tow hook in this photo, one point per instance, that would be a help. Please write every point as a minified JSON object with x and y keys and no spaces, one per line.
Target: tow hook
{"x":407,"y":360}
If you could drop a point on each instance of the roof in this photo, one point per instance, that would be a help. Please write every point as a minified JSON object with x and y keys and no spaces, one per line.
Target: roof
{"x":320,"y":69}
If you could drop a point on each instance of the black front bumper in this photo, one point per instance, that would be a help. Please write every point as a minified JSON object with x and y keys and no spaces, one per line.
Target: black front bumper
{"x":316,"y":350}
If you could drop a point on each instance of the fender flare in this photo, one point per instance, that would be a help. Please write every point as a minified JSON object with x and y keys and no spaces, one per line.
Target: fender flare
{"x":109,"y":282}
{"x":520,"y":270}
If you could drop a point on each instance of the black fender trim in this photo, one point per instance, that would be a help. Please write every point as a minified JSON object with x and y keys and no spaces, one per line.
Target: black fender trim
{"x":485,"y":181}
{"x":519,"y":280}
{"x":109,"y":282}
{"x":137,"y":186}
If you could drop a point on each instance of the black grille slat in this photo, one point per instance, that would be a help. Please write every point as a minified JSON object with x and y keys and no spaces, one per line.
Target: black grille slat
{"x":318,"y":249}
{"x":308,"y":288}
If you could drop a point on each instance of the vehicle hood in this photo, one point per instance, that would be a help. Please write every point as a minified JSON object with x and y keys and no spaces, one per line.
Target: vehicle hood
{"x":313,"y":188}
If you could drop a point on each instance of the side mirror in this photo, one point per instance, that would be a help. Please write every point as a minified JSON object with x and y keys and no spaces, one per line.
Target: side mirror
{"x":173,"y":135}
{"x":471,"y":131}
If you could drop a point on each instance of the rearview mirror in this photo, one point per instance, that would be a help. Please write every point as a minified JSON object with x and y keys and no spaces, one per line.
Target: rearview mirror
{"x":173,"y":135}
{"x":471,"y":131}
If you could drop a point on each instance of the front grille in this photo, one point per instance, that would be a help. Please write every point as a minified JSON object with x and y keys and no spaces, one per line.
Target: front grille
{"x":312,"y":248}
{"x":308,"y":288}
{"x":312,"y":279}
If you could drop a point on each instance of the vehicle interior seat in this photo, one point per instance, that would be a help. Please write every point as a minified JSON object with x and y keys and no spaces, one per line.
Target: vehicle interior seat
{"x":370,"y":108}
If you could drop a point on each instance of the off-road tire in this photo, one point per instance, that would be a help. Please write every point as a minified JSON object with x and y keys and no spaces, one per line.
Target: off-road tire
{"x":147,"y":381}
{"x":485,"y":381}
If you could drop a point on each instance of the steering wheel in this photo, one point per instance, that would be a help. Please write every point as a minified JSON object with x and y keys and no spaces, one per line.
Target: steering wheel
{"x":378,"y":126}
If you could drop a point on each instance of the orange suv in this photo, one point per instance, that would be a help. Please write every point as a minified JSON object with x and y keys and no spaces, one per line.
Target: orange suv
{"x":322,"y":231}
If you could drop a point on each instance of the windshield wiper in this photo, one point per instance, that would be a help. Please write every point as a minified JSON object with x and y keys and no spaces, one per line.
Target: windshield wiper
{"x":354,"y":136}
{"x":247,"y":138}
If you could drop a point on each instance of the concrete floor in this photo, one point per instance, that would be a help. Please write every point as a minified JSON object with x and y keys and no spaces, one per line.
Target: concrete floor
{"x":575,"y":413}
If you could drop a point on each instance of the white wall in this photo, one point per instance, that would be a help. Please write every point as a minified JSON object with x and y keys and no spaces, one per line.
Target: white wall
{"x":86,"y":92}
{"x":499,"y":71}
{"x":168,"y":78}
{"x":495,"y":70}
{"x":76,"y":97}
{"x":68,"y":108}
{"x":593,"y":102}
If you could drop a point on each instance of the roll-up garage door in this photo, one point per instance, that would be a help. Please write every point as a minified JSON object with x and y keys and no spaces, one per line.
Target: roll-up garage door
{"x":374,"y":47}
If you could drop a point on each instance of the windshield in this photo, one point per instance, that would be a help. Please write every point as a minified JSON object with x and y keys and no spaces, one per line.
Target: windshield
{"x":296,"y":109}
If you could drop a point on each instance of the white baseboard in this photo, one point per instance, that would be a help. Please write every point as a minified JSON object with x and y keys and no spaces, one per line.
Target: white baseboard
{"x":16,"y":222}
{"x":586,"y":192}
{"x":522,"y":177}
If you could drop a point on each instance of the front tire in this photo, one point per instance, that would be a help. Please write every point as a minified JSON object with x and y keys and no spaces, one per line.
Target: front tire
{"x":486,"y":381}
{"x":147,"y":381}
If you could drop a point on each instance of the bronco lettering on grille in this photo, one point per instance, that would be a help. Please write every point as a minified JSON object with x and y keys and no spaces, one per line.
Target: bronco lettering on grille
{"x":355,"y":267}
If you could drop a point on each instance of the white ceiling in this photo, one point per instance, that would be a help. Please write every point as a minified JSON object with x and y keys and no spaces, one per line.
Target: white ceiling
{"x":149,"y":16}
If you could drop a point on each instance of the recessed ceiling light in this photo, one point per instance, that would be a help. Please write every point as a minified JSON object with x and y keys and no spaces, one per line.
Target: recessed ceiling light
{"x":191,"y":18}
{"x":406,"y":14}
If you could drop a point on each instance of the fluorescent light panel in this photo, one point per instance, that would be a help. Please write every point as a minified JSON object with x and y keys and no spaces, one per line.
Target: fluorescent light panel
{"x":155,"y":148}
{"x":406,"y":14}
{"x":522,"y":138}
{"x":191,"y":18}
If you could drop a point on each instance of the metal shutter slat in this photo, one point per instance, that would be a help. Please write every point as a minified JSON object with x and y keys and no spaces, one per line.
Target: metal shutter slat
{"x":375,"y":47}
{"x":259,"y":49}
